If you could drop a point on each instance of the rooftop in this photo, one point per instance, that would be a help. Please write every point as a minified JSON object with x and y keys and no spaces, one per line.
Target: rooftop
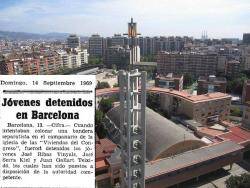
{"x":169,"y":76}
{"x":189,"y":158}
{"x":212,"y":79}
{"x":145,"y":64}
{"x":237,"y":134}
{"x":182,"y":94}
{"x":233,"y":62}
{"x":159,"y":127}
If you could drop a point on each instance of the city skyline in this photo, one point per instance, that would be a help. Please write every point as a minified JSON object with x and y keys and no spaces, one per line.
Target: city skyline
{"x":221,"y":19}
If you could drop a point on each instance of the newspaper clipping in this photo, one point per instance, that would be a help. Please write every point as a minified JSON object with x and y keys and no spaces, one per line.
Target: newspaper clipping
{"x":47,"y":131}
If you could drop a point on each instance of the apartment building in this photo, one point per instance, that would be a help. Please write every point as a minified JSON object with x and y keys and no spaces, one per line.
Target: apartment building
{"x":246,"y":58}
{"x":96,"y":46}
{"x":246,"y":116}
{"x":73,"y":41}
{"x":197,"y":64}
{"x":233,"y":68}
{"x":246,"y":92}
{"x":73,"y":59}
{"x":30,"y":63}
{"x":118,"y":56}
{"x":170,"y":81}
{"x":41,"y":63}
{"x":210,"y":84}
{"x":11,"y":64}
{"x":246,"y":38}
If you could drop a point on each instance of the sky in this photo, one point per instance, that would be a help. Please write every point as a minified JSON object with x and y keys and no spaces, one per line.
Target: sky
{"x":220,"y":18}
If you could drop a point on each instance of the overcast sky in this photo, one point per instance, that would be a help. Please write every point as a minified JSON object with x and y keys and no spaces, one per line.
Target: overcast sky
{"x":220,"y":18}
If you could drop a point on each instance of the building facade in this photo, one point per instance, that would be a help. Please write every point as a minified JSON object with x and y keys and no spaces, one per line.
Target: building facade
{"x":246,"y":116}
{"x":246,"y":92}
{"x":246,"y":38}
{"x":73,"y":59}
{"x":211,"y":84}
{"x":31,"y":63}
{"x":73,"y":41}
{"x":118,"y":56}
{"x":205,"y":109}
{"x":96,"y":46}
{"x":170,"y":81}
{"x":196,"y":64}
{"x":233,"y":68}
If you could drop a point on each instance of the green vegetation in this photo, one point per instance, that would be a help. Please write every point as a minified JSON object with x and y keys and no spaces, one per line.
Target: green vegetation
{"x":95,"y":61}
{"x":106,"y":104}
{"x":242,"y":181}
{"x":236,"y":112}
{"x":188,"y":80}
{"x":64,"y":70}
{"x":148,"y":58}
{"x":99,"y":117}
{"x":116,"y":85}
{"x":235,"y":85}
{"x":102,"y":85}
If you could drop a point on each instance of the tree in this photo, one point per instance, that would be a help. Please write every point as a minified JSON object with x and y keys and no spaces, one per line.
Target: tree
{"x":242,"y":181}
{"x":102,"y":85}
{"x":95,"y":60}
{"x":106,"y":104}
{"x":148,"y":58}
{"x":236,"y":112}
{"x":188,"y":80}
{"x":99,"y":118}
{"x":236,"y":85}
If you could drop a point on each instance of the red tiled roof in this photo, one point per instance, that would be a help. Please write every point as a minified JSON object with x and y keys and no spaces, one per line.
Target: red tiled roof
{"x":237,"y":135}
{"x":99,"y":152}
{"x":107,"y":145}
{"x":181,"y":94}
{"x":99,"y":165}
{"x":104,"y":148}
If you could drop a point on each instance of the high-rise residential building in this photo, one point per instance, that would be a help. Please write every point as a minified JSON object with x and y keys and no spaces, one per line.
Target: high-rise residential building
{"x":246,"y":38}
{"x":246,"y":116}
{"x":246,"y":58}
{"x":41,"y":63}
{"x":211,"y":84}
{"x":154,"y":45}
{"x":96,"y":46}
{"x":11,"y":64}
{"x":2,"y":65}
{"x":73,"y":59}
{"x":117,"y":40}
{"x":246,"y":91}
{"x":221,"y":66}
{"x":73,"y":41}
{"x":121,"y":56}
{"x":118,"y":56}
{"x":233,"y":68}
{"x":196,"y":64}
{"x":31,"y":63}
